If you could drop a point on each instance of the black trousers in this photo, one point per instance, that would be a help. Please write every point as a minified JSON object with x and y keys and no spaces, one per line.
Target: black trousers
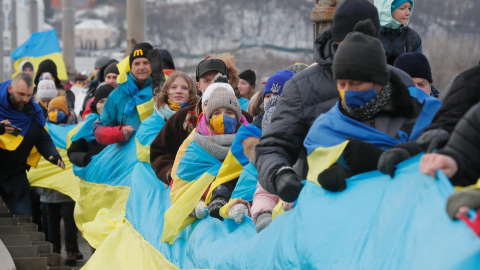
{"x":57,"y":211}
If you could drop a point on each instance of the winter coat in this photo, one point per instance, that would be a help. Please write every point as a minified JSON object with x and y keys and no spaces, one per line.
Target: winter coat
{"x":165,"y":146}
{"x":305,"y":96}
{"x":396,"y":39}
{"x":84,"y":146}
{"x":464,"y":147}
{"x":263,"y":202}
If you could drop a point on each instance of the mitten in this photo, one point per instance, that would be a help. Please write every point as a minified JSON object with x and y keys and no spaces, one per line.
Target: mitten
{"x":390,"y":158}
{"x":200,"y":212}
{"x":287,"y":184}
{"x":333,"y":178}
{"x":467,"y":197}
{"x":361,"y":156}
{"x":433,"y":139}
{"x":215,"y":205}
{"x":237,"y":212}
{"x":263,"y":220}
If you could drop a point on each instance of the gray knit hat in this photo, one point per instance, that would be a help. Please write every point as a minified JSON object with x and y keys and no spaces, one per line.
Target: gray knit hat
{"x":361,"y":56}
{"x":221,"y":98}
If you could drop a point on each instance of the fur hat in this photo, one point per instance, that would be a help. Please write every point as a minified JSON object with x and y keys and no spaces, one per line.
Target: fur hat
{"x":220,"y":82}
{"x":139,"y":51}
{"x":415,"y":64}
{"x":275,"y":83}
{"x":58,"y":103}
{"x":361,"y":57}
{"x":46,"y":87}
{"x":249,"y":76}
{"x":349,"y":13}
{"x":221,"y":98}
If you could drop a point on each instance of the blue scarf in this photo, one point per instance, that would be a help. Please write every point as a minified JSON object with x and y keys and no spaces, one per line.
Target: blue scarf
{"x":139,"y":96}
{"x":18,"y":119}
{"x":86,"y":131}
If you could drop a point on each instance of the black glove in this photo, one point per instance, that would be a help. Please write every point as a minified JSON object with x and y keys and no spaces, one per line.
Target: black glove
{"x":361,"y":156}
{"x":333,"y":178}
{"x":2,"y":128}
{"x":390,"y":158}
{"x":87,"y":159}
{"x":288,"y":185}
{"x":433,"y":139}
{"x":55,"y":159}
{"x":215,"y":205}
{"x":156,"y":64}
{"x":467,"y":197}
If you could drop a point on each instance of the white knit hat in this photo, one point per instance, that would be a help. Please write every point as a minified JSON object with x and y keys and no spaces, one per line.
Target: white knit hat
{"x":46,"y":88}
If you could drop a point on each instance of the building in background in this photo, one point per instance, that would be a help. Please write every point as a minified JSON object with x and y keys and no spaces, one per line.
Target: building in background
{"x":77,"y":3}
{"x":93,"y":35}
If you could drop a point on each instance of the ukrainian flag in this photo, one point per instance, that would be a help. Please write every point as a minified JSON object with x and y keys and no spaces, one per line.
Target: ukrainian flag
{"x":41,"y":46}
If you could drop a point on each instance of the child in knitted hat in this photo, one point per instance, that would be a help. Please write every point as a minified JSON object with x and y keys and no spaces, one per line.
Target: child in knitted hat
{"x":46,"y":91}
{"x":58,"y":111}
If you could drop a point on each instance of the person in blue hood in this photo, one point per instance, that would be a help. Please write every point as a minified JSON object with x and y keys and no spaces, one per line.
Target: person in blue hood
{"x":396,"y":36}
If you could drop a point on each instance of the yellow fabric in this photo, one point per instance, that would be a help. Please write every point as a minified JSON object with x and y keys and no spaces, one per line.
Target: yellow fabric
{"x":104,"y":223}
{"x":55,"y":57}
{"x":71,"y":133}
{"x":123,"y":69}
{"x":58,"y":103}
{"x":278,"y":209}
{"x":9,"y":142}
{"x":342,"y":94}
{"x":51,"y":176}
{"x":173,"y":106}
{"x":322,"y":158}
{"x":143,"y":152}
{"x":177,"y":216}
{"x":476,"y":186}
{"x":33,"y":158}
{"x":93,"y":197}
{"x":125,"y":248}
{"x":145,"y":109}
{"x":230,"y":170}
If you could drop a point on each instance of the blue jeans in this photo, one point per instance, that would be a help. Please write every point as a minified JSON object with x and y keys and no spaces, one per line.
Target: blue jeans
{"x":14,"y":192}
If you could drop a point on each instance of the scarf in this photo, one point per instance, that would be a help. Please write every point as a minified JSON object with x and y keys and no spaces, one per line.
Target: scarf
{"x":140,"y":96}
{"x":371,"y":108}
{"x":217,"y":146}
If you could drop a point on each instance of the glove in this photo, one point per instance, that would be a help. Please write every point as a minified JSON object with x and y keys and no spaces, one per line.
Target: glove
{"x":467,"y":197}
{"x":237,"y":212}
{"x":333,"y":178}
{"x":55,"y":159}
{"x":361,"y":156}
{"x":156,"y":64}
{"x":287,"y":184}
{"x":2,"y":128}
{"x":87,"y":159}
{"x":199,"y":210}
{"x":215,"y":205}
{"x":390,"y":158}
{"x":433,"y":139}
{"x":263,"y":220}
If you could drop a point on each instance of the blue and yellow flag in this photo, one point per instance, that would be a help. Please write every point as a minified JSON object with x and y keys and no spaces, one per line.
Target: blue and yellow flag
{"x":41,"y":46}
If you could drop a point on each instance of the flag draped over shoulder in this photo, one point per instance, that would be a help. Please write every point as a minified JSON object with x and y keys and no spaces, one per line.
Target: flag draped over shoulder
{"x":41,"y":46}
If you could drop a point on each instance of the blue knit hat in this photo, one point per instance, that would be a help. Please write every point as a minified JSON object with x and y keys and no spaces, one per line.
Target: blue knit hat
{"x":397,"y":3}
{"x":415,"y":64}
{"x":275,"y":83}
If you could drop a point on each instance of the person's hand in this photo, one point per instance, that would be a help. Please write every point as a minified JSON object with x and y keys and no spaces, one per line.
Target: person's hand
{"x":390,"y":158}
{"x":288,"y":185}
{"x":156,"y":63}
{"x":430,"y":163}
{"x":237,"y":212}
{"x":127,"y":132}
{"x":5,"y":127}
{"x":287,"y":206}
{"x":433,"y":139}
{"x":460,"y":203}
{"x":334,"y":178}
{"x":57,"y":160}
{"x":200,"y":212}
{"x":215,"y":205}
{"x":361,"y":156}
{"x":263,"y":220}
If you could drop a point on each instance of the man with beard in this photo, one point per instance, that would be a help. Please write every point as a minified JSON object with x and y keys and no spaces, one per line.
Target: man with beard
{"x":22,"y":139}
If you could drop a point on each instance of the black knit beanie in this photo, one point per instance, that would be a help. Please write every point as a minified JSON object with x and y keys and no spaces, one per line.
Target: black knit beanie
{"x":415,"y":64}
{"x":110,"y":68}
{"x":102,"y":92}
{"x":361,"y":57}
{"x":349,"y":13}
{"x":249,"y":76}
{"x":140,"y":51}
{"x":49,"y":66}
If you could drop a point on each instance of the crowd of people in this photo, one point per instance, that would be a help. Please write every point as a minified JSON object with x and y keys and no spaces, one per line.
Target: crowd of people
{"x":367,"y":103}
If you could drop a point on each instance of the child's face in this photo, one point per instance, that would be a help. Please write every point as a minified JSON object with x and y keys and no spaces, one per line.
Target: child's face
{"x":402,"y":13}
{"x":100,"y":104}
{"x":225,"y":111}
{"x":267,"y":97}
{"x":178,"y":92}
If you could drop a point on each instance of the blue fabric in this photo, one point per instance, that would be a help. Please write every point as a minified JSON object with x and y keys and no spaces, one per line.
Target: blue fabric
{"x":120,"y":107}
{"x":195,"y":162}
{"x":355,"y":99}
{"x":149,"y":129}
{"x":376,"y":223}
{"x":86,"y":130}
{"x":59,"y":134}
{"x":237,"y":146}
{"x":39,"y":44}
{"x":243,"y":103}
{"x":17,"y":118}
{"x":333,"y":127}
{"x":247,"y":183}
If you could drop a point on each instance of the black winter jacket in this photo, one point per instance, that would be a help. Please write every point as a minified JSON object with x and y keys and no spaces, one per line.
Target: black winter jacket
{"x":398,"y":41}
{"x":305,"y":96}
{"x":464,"y":147}
{"x":81,"y":152}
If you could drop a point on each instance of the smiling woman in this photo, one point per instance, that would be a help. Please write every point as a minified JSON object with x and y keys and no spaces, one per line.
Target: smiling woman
{"x":178,"y":91}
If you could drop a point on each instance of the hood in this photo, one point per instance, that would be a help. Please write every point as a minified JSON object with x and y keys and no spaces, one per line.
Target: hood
{"x":20,"y":67}
{"x":384,"y":8}
{"x":323,"y":50}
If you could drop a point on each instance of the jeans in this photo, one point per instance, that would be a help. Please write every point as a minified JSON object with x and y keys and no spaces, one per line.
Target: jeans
{"x":57,"y":211}
{"x":14,"y":192}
